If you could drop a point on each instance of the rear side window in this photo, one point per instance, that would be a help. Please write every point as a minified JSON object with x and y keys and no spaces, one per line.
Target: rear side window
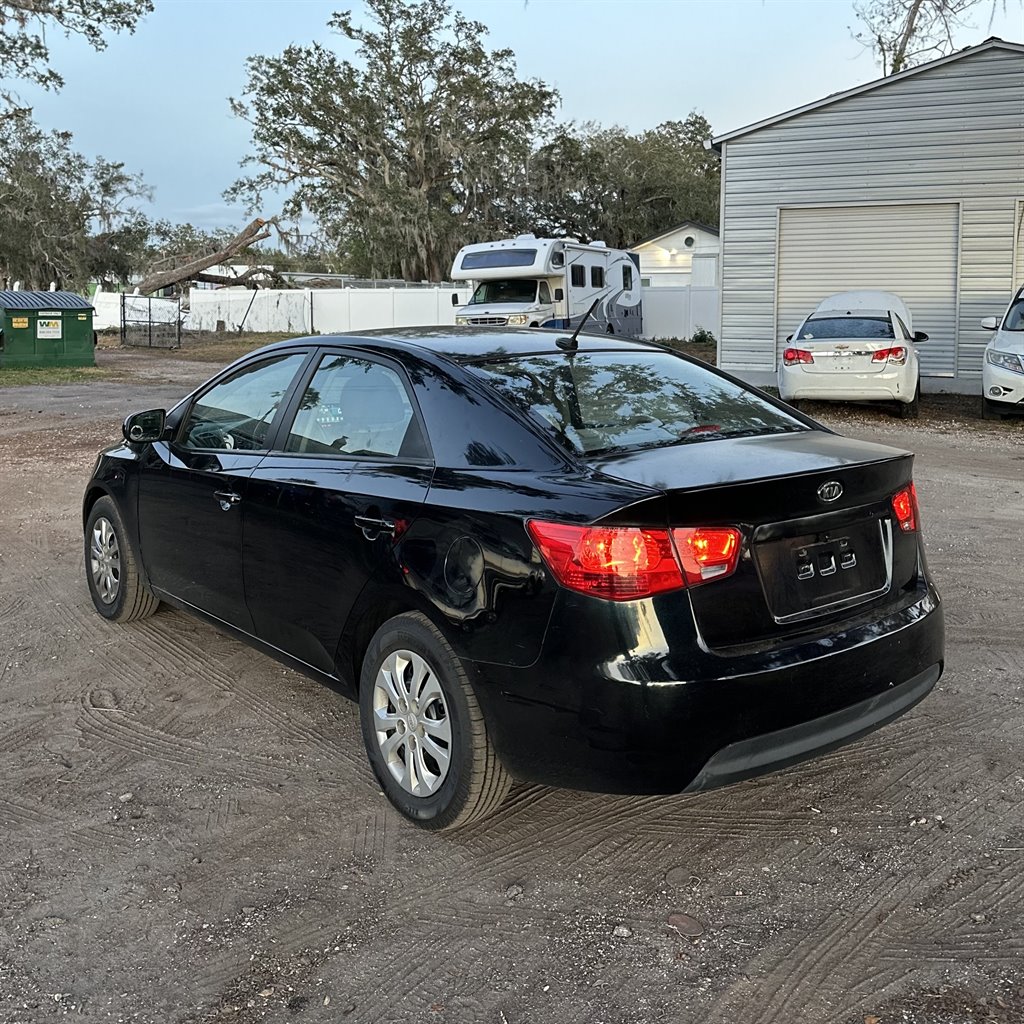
{"x":847,"y":327}
{"x":601,"y":402}
{"x":355,"y":407}
{"x":627,"y":277}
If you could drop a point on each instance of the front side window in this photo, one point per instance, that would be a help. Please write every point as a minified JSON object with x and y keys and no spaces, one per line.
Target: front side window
{"x":354,"y":406}
{"x":521,"y":289}
{"x":544,"y":294}
{"x":237,"y":413}
{"x":860,"y":327}
{"x":599,"y":402}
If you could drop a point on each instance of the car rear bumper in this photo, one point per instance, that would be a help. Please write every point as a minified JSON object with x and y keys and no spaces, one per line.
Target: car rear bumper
{"x":611,"y":707}
{"x":883,"y":385}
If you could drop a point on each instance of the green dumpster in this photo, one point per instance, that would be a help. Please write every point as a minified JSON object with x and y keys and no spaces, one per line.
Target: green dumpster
{"x":45,"y":329}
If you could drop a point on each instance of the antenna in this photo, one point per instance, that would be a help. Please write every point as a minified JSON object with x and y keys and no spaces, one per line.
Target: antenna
{"x":570,"y":344}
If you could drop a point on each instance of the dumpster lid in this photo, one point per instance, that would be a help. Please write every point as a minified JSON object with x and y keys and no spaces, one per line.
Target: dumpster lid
{"x":43,"y":300}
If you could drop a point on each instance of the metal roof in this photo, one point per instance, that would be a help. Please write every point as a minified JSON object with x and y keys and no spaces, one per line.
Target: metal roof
{"x":43,"y":300}
{"x":989,"y":44}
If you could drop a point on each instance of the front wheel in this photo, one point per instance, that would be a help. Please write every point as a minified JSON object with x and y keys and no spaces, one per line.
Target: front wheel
{"x":111,"y":571}
{"x":990,"y":410}
{"x":424,"y":732}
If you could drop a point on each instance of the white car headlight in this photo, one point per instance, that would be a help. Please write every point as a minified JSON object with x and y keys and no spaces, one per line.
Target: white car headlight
{"x":1007,"y":360}
{"x":518,"y":320}
{"x":461,"y":321}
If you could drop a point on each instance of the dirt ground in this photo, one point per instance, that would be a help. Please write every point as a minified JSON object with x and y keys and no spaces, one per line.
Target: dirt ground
{"x":189,"y":832}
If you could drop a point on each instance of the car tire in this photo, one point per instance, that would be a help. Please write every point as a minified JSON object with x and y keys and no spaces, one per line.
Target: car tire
{"x":111,"y":569}
{"x":990,"y":410}
{"x":910,"y":410}
{"x":414,"y":686}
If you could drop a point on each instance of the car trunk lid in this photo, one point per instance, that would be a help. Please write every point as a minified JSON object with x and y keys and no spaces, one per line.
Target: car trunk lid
{"x":851,"y":355}
{"x":815,"y":511}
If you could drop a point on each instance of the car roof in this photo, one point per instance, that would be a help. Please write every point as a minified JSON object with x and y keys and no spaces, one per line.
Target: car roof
{"x":863,"y":303}
{"x":474,"y":344}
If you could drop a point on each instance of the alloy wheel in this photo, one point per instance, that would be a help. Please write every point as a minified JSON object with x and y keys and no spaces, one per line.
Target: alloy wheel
{"x":105,"y":560}
{"x":411,"y":723}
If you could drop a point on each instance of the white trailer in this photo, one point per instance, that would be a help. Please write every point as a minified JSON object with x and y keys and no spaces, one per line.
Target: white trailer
{"x":550,"y":282}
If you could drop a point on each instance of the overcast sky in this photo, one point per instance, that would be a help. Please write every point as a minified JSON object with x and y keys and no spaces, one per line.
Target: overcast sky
{"x":158,"y":99}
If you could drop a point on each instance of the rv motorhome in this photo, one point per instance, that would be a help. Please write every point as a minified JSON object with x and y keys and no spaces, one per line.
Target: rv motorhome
{"x":550,"y":282}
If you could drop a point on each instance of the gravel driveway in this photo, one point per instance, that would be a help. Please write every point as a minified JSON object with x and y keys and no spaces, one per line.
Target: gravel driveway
{"x":189,"y":832}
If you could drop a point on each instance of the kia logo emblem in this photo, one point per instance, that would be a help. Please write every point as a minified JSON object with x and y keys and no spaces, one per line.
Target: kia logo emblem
{"x":830,"y":490}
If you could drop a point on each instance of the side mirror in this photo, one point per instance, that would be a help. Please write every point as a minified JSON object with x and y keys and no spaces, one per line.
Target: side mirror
{"x":789,"y":337}
{"x":920,"y":336}
{"x":559,"y":295}
{"x":455,"y":299}
{"x":990,"y":323}
{"x":141,"y":427}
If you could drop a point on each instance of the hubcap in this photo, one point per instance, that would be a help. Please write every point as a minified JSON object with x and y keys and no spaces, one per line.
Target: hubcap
{"x":411,"y":723}
{"x":105,"y":560}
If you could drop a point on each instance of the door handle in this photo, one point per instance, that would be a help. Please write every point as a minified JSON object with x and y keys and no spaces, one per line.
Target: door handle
{"x":226,"y":499}
{"x":372,"y":527}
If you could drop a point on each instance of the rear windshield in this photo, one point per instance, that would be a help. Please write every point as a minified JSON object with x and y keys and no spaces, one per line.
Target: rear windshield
{"x":600,"y":402}
{"x":847,"y":327}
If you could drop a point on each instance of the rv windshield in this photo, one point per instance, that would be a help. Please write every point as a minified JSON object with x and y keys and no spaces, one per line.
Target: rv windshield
{"x":514,"y":290}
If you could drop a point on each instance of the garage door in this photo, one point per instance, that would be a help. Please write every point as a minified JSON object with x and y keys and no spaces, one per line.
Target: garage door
{"x":1018,"y":260}
{"x":909,"y":250}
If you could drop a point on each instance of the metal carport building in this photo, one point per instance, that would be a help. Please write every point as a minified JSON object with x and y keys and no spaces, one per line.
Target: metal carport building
{"x":913,"y":184}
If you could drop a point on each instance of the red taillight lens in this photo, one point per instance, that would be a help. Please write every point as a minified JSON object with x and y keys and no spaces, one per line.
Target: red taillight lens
{"x":904,"y":507}
{"x":707,"y":553}
{"x":616,"y":563}
{"x":897,"y":355}
{"x":792,"y":356}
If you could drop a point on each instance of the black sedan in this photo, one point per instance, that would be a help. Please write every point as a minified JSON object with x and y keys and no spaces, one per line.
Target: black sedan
{"x":579,"y":561}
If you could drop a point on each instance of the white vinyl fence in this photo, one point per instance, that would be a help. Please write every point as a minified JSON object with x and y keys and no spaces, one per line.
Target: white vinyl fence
{"x":107,"y":310}
{"x":677,"y":312}
{"x":325,"y":310}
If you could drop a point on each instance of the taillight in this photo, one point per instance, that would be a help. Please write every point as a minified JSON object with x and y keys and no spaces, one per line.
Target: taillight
{"x":707,"y":553}
{"x":904,"y":507}
{"x":897,"y":355}
{"x":791,"y":356}
{"x":620,"y":563}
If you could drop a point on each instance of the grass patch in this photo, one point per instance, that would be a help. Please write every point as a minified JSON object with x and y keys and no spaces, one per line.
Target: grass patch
{"x":206,"y":347}
{"x":18,"y":376}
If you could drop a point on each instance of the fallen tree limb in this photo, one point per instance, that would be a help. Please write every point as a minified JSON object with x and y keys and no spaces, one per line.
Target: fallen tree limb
{"x":252,"y":233}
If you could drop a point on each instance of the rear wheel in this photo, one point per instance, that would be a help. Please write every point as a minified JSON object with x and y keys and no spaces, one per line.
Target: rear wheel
{"x":423,"y":729}
{"x":912,"y":409}
{"x":111,"y":571}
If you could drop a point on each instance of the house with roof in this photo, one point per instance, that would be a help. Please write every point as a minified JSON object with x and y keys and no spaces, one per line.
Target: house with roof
{"x":684,"y":255}
{"x":912,"y":184}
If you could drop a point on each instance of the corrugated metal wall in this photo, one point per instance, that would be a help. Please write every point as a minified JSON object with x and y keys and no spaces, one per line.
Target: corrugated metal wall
{"x":954,"y":133}
{"x":907,"y":249}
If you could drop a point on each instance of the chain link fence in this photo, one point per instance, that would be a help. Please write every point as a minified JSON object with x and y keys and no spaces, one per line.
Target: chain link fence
{"x":149,"y":322}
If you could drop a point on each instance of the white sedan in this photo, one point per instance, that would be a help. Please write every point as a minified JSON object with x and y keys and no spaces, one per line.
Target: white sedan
{"x":855,"y":347}
{"x":1002,"y":373}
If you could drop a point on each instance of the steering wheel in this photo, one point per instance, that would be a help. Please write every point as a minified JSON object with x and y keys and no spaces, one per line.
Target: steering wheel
{"x":209,"y":435}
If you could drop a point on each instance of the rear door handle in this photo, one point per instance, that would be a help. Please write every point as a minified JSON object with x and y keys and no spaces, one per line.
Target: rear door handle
{"x":372,"y":526}
{"x":227,"y":499}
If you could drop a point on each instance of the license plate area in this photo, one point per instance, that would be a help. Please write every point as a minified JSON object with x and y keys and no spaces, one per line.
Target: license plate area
{"x":817,"y":573}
